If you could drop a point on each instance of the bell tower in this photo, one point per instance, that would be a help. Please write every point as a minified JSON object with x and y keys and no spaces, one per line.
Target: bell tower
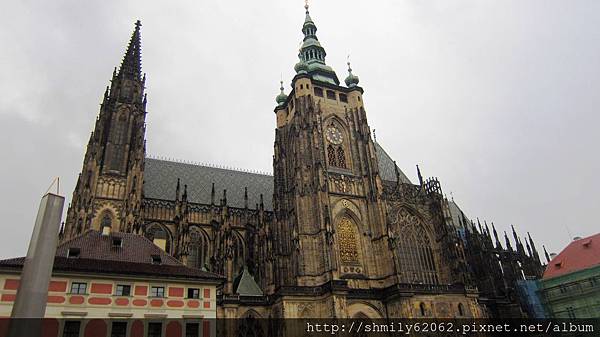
{"x":330,"y":216}
{"x":109,"y":187}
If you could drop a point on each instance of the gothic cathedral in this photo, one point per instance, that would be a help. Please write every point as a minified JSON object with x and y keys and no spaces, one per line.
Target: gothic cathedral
{"x":338,"y":230}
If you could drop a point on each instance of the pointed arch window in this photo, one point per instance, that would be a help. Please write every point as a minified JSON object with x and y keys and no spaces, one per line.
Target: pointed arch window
{"x":414,"y":250}
{"x":341,"y":157}
{"x":331,"y":155}
{"x":199,"y":249}
{"x":106,"y":220}
{"x":347,"y":241}
{"x":238,"y":252}
{"x":160,"y":236}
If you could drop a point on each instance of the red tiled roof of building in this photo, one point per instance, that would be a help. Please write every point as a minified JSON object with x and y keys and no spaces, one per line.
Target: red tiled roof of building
{"x":578,"y":255}
{"x":97,"y":253}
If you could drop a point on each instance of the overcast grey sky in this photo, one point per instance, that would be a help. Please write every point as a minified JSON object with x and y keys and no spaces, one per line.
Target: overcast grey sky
{"x":499,"y":99}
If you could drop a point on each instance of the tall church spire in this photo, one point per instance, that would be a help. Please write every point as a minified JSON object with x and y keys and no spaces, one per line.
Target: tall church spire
{"x":312,"y":54}
{"x":131,"y":67}
{"x":115,"y":153}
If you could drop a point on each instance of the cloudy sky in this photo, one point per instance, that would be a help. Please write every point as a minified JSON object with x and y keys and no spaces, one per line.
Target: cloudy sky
{"x":499,"y":99}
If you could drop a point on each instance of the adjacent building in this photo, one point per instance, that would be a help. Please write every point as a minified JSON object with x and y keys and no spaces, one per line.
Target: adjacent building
{"x":570,"y":287}
{"x":107,"y":283}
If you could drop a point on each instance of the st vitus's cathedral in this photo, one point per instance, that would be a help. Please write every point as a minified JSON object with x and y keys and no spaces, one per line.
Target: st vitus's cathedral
{"x":337,"y":231}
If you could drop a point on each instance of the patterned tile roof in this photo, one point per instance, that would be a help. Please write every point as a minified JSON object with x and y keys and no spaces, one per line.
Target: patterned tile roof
{"x":98,"y":254}
{"x":386,"y":166}
{"x":160,"y":181}
{"x":578,"y":255}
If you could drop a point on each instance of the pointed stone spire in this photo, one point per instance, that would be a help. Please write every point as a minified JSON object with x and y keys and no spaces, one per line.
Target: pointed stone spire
{"x":528,"y":248}
{"x":245,"y":197}
{"x":421,"y":180}
{"x":498,"y":244}
{"x":533,"y":249}
{"x":212,"y":194}
{"x":518,"y":243}
{"x":178,"y":190}
{"x":508,"y":245}
{"x":546,"y":254}
{"x":131,"y":67}
{"x":262,"y":204}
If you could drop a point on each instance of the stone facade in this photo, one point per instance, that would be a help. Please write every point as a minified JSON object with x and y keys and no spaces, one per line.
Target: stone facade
{"x":337,"y":231}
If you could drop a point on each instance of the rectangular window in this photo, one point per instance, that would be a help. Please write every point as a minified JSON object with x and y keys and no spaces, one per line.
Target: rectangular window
{"x":192,"y":330}
{"x":157,"y":291}
{"x":330,"y":94}
{"x":344,"y":98}
{"x":73,"y":253}
{"x":123,"y":290}
{"x":318,"y":92}
{"x":193,"y":293}
{"x":117,"y":242}
{"x":571,"y":312}
{"x":78,"y":288}
{"x":119,"y":329}
{"x":154,"y":329}
{"x":71,"y":329}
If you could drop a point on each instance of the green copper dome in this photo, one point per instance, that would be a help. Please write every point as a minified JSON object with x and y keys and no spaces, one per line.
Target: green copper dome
{"x":352,"y":80}
{"x":282,"y":97}
{"x":301,"y":67}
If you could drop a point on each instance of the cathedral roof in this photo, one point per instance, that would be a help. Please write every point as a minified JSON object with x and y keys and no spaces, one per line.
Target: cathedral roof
{"x":387,"y":167}
{"x":160,"y":181}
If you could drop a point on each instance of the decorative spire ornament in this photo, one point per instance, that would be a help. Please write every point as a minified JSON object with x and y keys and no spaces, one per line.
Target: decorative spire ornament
{"x":282,"y":97}
{"x":352,"y":80}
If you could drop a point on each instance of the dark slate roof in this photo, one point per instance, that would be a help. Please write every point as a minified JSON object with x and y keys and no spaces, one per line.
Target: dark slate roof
{"x":160,"y":181}
{"x":386,"y":166}
{"x":456,"y":214}
{"x":134,"y":257}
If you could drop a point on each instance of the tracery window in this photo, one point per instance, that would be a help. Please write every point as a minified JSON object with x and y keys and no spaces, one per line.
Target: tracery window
{"x":347,"y":242}
{"x":414,"y":250}
{"x":331,"y":155}
{"x":336,"y":156}
{"x":106,"y":221}
{"x":161,"y":234}
{"x":199,"y":249}
{"x":341,"y":158}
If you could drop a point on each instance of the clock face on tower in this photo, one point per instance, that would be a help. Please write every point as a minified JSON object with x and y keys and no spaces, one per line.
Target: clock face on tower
{"x":333,"y":135}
